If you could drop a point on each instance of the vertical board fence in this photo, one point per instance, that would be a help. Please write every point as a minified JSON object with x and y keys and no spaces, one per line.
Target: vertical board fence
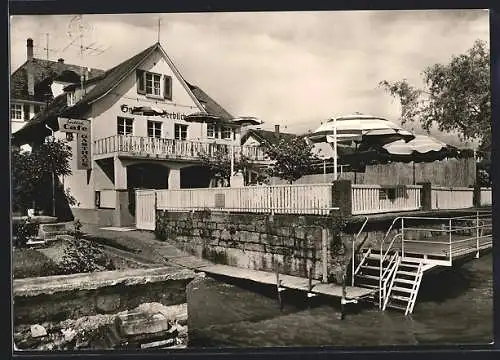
{"x":286,"y":199}
{"x":486,"y":197}
{"x":452,"y":197}
{"x":373,"y":199}
{"x":145,"y":209}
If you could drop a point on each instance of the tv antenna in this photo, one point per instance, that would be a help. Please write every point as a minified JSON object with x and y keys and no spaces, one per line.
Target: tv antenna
{"x":77,"y":31}
{"x":46,"y":49}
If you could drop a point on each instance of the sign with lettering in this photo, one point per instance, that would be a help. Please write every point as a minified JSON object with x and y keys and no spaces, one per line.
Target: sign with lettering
{"x":83,"y":151}
{"x":146,"y":110}
{"x":76,"y":126}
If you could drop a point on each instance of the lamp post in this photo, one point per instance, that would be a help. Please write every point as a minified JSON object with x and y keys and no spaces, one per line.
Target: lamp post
{"x":53,"y":177}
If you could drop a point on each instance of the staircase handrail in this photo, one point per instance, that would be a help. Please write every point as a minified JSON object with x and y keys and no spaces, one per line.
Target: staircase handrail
{"x":385,"y":276}
{"x":393,"y":273}
{"x":354,"y":240}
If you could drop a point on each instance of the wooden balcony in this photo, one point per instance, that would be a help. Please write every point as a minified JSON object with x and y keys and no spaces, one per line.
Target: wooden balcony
{"x":169,"y":149}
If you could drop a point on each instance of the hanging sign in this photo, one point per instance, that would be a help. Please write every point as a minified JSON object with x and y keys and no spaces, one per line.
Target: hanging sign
{"x":83,"y":151}
{"x":76,"y":126}
{"x":81,"y":128}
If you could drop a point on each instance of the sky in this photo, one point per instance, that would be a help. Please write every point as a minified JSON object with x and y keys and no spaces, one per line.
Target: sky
{"x":295,"y":69}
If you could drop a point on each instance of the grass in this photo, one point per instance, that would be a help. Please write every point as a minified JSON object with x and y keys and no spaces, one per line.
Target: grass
{"x":32,"y":263}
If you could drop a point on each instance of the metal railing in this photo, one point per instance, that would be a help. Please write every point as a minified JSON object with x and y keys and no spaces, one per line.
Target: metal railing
{"x":354,"y":240}
{"x":461,"y":235}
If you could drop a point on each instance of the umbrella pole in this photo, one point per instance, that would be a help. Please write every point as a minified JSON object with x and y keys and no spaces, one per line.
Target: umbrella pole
{"x":413,"y":165}
{"x":335,"y":149}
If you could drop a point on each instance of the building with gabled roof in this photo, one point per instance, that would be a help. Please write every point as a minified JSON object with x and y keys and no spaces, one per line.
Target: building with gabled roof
{"x":37,"y":81}
{"x":142,"y":134}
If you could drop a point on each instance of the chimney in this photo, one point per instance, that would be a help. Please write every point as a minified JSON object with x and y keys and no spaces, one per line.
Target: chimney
{"x":277,"y":129}
{"x":29,"y":49}
{"x":60,"y":60}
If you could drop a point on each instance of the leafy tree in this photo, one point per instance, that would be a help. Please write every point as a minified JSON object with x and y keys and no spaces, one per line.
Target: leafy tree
{"x":291,"y":158}
{"x":456,"y":96}
{"x":218,"y":165}
{"x":32,"y":173}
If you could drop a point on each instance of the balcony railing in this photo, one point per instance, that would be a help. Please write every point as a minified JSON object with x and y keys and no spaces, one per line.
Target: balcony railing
{"x":171,"y":148}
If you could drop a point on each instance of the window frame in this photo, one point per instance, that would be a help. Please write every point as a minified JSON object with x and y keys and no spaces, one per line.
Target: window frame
{"x":123,"y":126}
{"x":19,"y":108}
{"x":155,"y":80}
{"x":178,"y":131}
{"x":226,"y":130}
{"x":156,"y":126}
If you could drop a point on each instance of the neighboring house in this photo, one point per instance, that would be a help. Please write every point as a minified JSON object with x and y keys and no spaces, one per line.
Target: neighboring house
{"x":140,"y":134}
{"x":37,"y":82}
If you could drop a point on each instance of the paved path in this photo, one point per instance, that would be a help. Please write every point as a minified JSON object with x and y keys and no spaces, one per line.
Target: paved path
{"x":142,"y":245}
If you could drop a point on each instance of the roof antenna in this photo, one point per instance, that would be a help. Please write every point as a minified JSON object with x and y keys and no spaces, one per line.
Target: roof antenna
{"x":159,"y":27}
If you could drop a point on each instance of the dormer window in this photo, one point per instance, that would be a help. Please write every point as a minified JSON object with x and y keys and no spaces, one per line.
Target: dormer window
{"x":153,"y":84}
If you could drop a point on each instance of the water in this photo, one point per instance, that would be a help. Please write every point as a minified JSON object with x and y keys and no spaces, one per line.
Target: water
{"x":454,"y":307}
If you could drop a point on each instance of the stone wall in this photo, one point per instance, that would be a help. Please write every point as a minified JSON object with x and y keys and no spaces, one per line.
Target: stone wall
{"x":256,"y":241}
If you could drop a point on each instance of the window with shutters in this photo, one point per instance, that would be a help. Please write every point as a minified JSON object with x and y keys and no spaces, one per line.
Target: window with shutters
{"x":180,"y":131}
{"x":152,"y":84}
{"x":125,"y":126}
{"x":16,"y":111}
{"x":154,"y":129}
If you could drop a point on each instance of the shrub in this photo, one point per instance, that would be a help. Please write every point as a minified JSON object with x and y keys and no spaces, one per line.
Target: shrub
{"x":23,"y":230}
{"x":82,"y":256}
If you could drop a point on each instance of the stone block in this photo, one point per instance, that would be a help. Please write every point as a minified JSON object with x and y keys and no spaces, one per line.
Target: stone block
{"x":37,"y":331}
{"x":107,"y":303}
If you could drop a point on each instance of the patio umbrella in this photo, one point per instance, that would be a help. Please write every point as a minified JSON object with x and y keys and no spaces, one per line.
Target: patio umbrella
{"x":358,"y":127}
{"x":202,"y":117}
{"x":421,"y":149}
{"x":148,"y":110}
{"x":247,"y":120}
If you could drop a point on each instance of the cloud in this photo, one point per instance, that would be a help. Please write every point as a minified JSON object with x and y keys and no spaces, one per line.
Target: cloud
{"x":292,"y":68}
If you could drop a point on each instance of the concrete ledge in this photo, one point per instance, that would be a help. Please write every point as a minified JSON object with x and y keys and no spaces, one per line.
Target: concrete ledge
{"x":89,"y":281}
{"x":56,"y":298}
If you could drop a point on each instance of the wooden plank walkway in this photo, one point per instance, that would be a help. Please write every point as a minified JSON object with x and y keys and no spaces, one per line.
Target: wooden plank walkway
{"x":269,"y":278}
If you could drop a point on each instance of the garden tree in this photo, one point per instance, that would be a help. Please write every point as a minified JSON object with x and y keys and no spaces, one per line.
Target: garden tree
{"x":32,"y":174}
{"x":291,"y":158}
{"x":456,"y":97}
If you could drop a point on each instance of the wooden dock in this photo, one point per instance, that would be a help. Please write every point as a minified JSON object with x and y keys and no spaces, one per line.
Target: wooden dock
{"x":269,"y":278}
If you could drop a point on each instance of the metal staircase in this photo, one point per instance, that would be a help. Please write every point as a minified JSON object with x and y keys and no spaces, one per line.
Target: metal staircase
{"x":397,"y":265}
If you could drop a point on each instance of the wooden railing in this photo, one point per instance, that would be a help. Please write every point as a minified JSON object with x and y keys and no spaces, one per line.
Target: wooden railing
{"x":486,"y":197}
{"x":171,"y":148}
{"x":288,"y":199}
{"x":452,"y":198}
{"x":372,"y":199}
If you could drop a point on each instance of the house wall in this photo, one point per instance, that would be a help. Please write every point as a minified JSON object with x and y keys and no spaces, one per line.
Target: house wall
{"x":17,"y":124}
{"x":106,"y":110}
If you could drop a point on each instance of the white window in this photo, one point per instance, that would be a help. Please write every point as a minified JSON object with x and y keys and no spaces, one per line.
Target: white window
{"x":154,"y":129}
{"x":180,"y":132}
{"x":153,"y":84}
{"x":211,"y":130}
{"x":16,"y":111}
{"x":125,"y":126}
{"x":226,"y":133}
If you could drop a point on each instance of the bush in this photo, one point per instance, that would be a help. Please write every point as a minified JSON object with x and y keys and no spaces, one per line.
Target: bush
{"x":24,"y":230}
{"x":82,"y":256}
